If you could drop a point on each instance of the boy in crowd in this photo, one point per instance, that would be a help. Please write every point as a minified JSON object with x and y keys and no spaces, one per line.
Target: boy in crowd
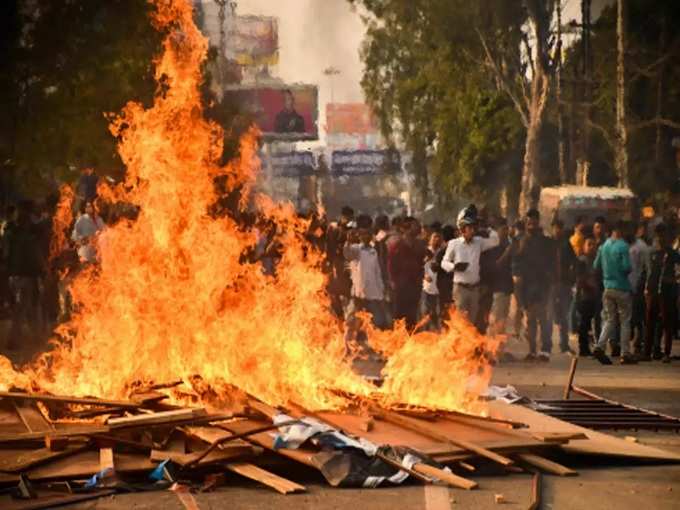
{"x":429,"y":305}
{"x":588,"y":296}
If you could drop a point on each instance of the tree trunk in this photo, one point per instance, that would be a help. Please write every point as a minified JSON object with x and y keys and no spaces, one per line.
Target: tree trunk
{"x":558,"y":92}
{"x":621,"y":157}
{"x":659,"y":95}
{"x":540,"y":86}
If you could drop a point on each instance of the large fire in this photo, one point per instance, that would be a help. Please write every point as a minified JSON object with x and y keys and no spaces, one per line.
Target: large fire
{"x":173,"y":298}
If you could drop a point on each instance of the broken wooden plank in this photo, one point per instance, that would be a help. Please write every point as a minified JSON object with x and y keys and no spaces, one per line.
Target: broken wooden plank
{"x":546,"y":465}
{"x":56,"y":444}
{"x":445,"y":476}
{"x":31,"y":417}
{"x":106,"y":459}
{"x":39,"y":437}
{"x":23,"y":460}
{"x":570,"y":378}
{"x":258,"y":474}
{"x":69,"y":400}
{"x":536,"y":483}
{"x":59,"y":500}
{"x":558,"y":437}
{"x":160,"y":418}
{"x":193,"y":460}
{"x":222,"y":440}
{"x":428,"y":430}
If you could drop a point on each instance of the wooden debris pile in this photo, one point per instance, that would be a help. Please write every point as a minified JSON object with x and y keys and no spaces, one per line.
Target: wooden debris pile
{"x":98,"y":447}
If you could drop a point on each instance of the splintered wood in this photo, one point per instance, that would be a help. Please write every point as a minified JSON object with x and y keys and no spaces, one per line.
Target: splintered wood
{"x":141,"y":433}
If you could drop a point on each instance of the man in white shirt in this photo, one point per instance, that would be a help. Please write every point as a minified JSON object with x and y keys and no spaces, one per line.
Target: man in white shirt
{"x":368,"y":287}
{"x":462,"y":258}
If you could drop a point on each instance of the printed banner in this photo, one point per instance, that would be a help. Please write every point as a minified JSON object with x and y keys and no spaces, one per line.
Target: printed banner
{"x":365,"y":162}
{"x":292,"y":164}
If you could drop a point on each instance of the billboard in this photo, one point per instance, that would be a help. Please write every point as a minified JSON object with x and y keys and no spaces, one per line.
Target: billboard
{"x":281,"y":113}
{"x":365,"y":162}
{"x":291,"y":164}
{"x":253,"y":40}
{"x":350,"y":119}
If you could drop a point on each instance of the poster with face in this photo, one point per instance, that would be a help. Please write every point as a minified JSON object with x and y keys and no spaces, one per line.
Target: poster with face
{"x":281,"y":113}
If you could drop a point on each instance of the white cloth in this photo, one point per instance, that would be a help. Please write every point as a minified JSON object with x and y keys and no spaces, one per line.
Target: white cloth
{"x":460,"y":251}
{"x":364,"y":265}
{"x":430,"y":287}
{"x":639,"y":251}
{"x":85,"y":228}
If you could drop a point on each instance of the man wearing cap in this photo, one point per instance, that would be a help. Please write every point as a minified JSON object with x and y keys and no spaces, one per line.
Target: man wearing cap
{"x":462,"y":259}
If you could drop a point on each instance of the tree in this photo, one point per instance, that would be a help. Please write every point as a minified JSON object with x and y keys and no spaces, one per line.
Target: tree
{"x":65,"y":65}
{"x":424,"y":81}
{"x":636,"y":96}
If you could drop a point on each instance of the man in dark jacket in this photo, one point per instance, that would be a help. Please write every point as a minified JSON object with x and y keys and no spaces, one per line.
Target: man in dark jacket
{"x":588,"y":296}
{"x":565,"y":265}
{"x":661,"y":293}
{"x":532,"y":270}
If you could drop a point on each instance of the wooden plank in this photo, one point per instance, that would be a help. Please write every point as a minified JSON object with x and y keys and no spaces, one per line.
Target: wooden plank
{"x":56,"y":444}
{"x":536,"y":484}
{"x":546,"y":465}
{"x":214,"y":457}
{"x":59,"y":501}
{"x":23,"y":460}
{"x":558,"y":437}
{"x":596,"y":443}
{"x":161,"y":418}
{"x":106,"y":459}
{"x":445,"y":476}
{"x":39,"y":437}
{"x":258,"y":474}
{"x":570,"y":378}
{"x":31,"y":417}
{"x":427,"y":429}
{"x":69,"y":400}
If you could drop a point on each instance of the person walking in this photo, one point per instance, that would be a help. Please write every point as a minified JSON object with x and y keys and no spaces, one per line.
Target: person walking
{"x":661,"y":294}
{"x":462,"y":259}
{"x":532,"y":270}
{"x":613,"y":259}
{"x":501,"y":279}
{"x":87,"y":226}
{"x":429,"y":303}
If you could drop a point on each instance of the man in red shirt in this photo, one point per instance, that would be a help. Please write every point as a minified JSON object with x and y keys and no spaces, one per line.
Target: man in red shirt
{"x":405,"y":266}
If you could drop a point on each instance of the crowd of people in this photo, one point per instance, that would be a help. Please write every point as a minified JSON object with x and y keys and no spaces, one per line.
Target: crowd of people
{"x":614,"y":285}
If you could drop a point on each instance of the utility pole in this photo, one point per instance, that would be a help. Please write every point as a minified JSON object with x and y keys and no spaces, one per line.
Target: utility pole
{"x":586,"y":96}
{"x":558,"y":92}
{"x":331,"y":72}
{"x":621,"y":157}
{"x":223,"y":41}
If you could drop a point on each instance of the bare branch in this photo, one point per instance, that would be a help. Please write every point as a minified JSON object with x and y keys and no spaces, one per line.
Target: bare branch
{"x":658,"y":121}
{"x":530,"y":55}
{"x":503,"y":81}
{"x":605,"y":134}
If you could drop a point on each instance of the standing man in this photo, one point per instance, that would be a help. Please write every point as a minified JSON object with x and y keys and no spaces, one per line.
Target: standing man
{"x":501,"y":279}
{"x":565,"y":265}
{"x":661,"y":293}
{"x":368,"y":288}
{"x":639,"y":259}
{"x":405,"y":264}
{"x":613,"y":259}
{"x":600,"y":230}
{"x":462,"y":259}
{"x":532,"y":271}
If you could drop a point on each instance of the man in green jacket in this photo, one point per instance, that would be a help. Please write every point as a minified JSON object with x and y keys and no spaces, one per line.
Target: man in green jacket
{"x":613,"y":260}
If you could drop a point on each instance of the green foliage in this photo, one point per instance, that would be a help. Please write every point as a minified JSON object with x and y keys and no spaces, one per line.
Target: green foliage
{"x":65,"y":65}
{"x":425,"y":80}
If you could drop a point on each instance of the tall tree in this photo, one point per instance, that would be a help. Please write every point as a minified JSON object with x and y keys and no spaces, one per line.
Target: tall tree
{"x":65,"y":65}
{"x":424,"y":81}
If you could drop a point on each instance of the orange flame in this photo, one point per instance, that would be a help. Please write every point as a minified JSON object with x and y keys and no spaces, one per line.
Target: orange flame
{"x":173,"y":299}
